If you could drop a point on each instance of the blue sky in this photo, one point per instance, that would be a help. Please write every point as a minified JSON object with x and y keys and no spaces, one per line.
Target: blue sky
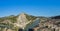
{"x":32,"y":7}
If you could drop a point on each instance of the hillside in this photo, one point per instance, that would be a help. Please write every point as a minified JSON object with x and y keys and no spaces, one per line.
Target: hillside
{"x":14,"y":22}
{"x":25,"y":22}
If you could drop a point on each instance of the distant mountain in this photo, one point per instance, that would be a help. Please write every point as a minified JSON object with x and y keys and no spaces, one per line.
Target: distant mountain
{"x":56,"y":17}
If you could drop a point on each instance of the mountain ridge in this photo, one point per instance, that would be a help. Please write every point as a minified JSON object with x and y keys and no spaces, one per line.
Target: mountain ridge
{"x":21,"y":21}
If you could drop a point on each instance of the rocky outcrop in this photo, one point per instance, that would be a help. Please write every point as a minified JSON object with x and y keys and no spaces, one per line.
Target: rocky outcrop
{"x":21,"y":20}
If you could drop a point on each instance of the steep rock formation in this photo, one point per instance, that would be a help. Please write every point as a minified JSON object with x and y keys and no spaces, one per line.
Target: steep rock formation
{"x":21,"y":20}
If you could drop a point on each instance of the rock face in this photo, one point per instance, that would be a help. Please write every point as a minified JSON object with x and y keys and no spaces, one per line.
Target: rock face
{"x":22,"y":21}
{"x":33,"y":24}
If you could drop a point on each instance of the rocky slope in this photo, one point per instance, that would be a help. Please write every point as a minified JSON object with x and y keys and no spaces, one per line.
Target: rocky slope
{"x":24,"y":21}
{"x":13,"y":23}
{"x":52,"y":24}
